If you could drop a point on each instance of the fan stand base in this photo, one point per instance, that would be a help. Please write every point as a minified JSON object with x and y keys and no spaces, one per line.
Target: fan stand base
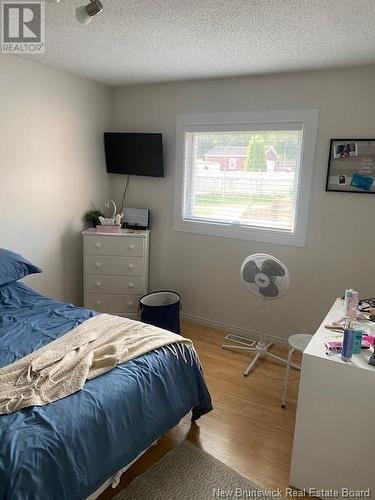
{"x":261,"y":350}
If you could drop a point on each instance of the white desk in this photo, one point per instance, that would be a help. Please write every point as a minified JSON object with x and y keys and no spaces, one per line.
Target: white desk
{"x":334,"y":437}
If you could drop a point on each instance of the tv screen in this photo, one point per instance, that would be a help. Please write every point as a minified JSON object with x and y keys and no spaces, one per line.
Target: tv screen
{"x":134,"y":154}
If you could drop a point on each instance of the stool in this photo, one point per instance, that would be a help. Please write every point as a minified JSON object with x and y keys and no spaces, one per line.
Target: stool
{"x":298,"y":343}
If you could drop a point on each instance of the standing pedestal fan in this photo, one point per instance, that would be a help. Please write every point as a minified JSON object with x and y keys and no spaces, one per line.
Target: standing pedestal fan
{"x":267,"y":278}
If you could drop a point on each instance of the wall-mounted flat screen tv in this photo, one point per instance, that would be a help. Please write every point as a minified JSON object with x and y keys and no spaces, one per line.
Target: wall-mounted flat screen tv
{"x":134,"y":153}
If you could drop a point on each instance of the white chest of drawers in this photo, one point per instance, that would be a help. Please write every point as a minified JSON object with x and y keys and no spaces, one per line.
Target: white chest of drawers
{"x":115,"y":270}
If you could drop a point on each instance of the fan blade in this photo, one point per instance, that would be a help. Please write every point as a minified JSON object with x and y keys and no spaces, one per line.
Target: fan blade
{"x":272,"y":268}
{"x":250,"y":271}
{"x":270,"y":291}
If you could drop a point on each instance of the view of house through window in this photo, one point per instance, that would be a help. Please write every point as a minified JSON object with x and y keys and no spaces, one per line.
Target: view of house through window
{"x":244,"y":178}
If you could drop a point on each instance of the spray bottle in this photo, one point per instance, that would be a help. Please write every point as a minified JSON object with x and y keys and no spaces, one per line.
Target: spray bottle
{"x":350,"y":327}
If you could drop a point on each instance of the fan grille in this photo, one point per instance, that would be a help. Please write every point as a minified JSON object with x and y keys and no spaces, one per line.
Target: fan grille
{"x":265,"y":276}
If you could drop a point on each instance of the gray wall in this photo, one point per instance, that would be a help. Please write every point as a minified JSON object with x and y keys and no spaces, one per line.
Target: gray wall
{"x":340,"y":236}
{"x":51,"y":168}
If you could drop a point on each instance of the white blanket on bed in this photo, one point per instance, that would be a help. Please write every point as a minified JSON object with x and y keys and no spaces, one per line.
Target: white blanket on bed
{"x":89,"y":350}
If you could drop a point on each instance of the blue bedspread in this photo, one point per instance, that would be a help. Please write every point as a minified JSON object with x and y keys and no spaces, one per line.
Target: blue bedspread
{"x":67,"y":449}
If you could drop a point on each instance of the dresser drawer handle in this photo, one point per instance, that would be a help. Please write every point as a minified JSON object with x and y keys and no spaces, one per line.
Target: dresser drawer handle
{"x":131,"y":285}
{"x":131,"y":247}
{"x":98,"y":284}
{"x":131,"y":266}
{"x":98,"y":264}
{"x":98,"y":302}
{"x":98,"y":245}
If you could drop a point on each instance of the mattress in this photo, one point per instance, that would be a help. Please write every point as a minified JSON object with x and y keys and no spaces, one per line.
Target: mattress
{"x":67,"y":449}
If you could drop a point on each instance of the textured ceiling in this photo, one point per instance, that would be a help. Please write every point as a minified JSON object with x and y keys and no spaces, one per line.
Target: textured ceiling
{"x":134,"y":41}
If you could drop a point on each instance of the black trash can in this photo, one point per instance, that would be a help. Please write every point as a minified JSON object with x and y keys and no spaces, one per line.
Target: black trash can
{"x":161,"y":309}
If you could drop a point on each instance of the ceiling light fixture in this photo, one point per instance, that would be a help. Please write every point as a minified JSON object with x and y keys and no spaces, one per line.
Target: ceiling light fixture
{"x":85,"y":13}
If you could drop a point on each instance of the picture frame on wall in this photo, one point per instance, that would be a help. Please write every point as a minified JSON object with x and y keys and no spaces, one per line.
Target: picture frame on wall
{"x":351,"y":166}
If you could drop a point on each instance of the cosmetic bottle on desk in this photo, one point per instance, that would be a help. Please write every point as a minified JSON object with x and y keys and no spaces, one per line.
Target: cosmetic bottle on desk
{"x":358,"y":333}
{"x":348,"y":342}
{"x":352,"y":330}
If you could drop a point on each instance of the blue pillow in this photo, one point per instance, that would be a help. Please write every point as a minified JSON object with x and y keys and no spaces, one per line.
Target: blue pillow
{"x":13,"y":267}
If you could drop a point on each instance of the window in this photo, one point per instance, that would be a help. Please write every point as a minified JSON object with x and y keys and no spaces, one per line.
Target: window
{"x":245,"y":175}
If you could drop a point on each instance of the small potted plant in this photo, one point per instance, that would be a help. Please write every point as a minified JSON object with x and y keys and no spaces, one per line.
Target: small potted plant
{"x":92,"y":216}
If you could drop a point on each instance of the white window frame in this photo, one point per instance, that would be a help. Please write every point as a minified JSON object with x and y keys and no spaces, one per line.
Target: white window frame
{"x":305,"y":119}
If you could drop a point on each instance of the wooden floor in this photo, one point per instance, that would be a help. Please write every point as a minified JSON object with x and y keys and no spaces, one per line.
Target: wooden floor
{"x":247,"y":430}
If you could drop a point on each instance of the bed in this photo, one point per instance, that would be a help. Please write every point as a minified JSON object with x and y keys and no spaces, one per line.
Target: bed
{"x":68,"y":449}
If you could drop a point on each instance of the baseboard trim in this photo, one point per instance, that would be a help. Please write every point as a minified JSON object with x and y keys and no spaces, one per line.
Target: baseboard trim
{"x":238,"y":330}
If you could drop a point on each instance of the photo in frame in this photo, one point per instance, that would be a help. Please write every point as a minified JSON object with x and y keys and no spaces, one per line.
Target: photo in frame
{"x":351,"y":166}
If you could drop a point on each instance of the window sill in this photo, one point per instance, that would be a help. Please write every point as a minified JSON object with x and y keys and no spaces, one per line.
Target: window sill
{"x":277,"y":237}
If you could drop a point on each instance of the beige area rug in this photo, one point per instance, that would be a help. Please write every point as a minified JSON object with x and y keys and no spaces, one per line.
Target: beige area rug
{"x":188,"y":473}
